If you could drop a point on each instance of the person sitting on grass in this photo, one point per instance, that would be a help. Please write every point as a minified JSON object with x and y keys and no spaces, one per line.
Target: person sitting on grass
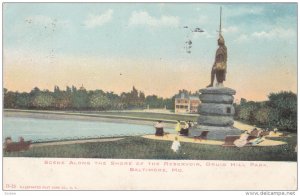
{"x":275,"y":133}
{"x":266,"y":130}
{"x":190,"y":123}
{"x":159,"y":128}
{"x":184,"y":129}
{"x":243,"y":140}
{"x":259,"y":132}
{"x":175,"y":145}
{"x":178,"y":127}
{"x":257,"y":140}
{"x":255,"y":130}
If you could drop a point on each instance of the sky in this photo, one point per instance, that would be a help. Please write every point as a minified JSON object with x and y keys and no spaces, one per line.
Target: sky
{"x":114,"y":46}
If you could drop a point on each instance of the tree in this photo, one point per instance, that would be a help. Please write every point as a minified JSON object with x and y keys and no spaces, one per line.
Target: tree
{"x":142,"y":97}
{"x":170,"y":103}
{"x":68,"y":90}
{"x":247,"y":111}
{"x":80,"y":98}
{"x":56,"y":89}
{"x":154,"y":101}
{"x":9,"y":99}
{"x":263,"y":115}
{"x":23,"y":100}
{"x":74,"y":89}
{"x":63,"y":100}
{"x":99,"y":101}
{"x":35,"y":91}
{"x":243,"y":101}
{"x":43,"y":101}
{"x":284,"y":107}
{"x":286,"y":102}
{"x":132,"y":99}
{"x":279,"y":111}
{"x":115,"y":100}
{"x":134,"y":93}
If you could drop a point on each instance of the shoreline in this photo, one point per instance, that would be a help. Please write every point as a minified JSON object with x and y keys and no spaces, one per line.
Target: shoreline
{"x":54,"y":115}
{"x":60,"y":115}
{"x":79,"y":141}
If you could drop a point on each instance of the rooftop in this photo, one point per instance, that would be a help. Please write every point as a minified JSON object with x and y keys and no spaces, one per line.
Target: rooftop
{"x":186,"y":96}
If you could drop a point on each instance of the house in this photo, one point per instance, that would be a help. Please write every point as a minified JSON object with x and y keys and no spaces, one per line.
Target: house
{"x":185,"y":103}
{"x":194,"y":104}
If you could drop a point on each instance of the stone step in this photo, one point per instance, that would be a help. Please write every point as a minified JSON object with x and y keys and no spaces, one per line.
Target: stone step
{"x":216,"y":98}
{"x":218,"y":90}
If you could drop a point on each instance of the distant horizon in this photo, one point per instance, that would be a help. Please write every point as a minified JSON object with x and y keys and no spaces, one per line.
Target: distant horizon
{"x":114,"y":46}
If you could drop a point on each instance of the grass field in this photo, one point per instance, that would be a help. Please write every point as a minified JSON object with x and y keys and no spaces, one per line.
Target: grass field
{"x":128,"y":115}
{"x":141,"y":148}
{"x":161,"y":116}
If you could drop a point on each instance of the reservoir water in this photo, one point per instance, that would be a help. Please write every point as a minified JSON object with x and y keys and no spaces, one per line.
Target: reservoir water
{"x":52,"y":130}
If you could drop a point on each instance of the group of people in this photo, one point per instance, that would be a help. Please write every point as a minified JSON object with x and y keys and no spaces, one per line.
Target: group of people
{"x":244,"y":140}
{"x":258,"y":134}
{"x":264,"y":132}
{"x":181,"y":128}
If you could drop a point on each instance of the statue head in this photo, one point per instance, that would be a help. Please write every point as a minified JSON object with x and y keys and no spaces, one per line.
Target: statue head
{"x":221,"y":41}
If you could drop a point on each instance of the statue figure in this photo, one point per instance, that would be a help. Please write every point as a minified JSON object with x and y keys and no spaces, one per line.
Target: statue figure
{"x":220,"y":65}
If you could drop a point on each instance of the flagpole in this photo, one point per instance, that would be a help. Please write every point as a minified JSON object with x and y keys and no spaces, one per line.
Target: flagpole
{"x":220,"y":30}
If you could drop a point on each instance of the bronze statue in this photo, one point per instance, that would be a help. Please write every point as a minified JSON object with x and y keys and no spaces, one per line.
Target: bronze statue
{"x":220,"y":65}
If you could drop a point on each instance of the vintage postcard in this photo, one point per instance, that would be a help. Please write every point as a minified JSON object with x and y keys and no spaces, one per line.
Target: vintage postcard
{"x":150,"y":96}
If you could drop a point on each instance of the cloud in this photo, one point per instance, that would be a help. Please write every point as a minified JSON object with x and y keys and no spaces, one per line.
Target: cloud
{"x":213,"y":34}
{"x":204,"y":34}
{"x":244,"y":11}
{"x":242,"y":38}
{"x":98,"y":20}
{"x":274,"y":33}
{"x":143,"y":18}
{"x":230,"y":29}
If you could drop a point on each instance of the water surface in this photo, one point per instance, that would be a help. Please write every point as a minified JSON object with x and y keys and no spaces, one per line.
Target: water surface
{"x":49,"y":130}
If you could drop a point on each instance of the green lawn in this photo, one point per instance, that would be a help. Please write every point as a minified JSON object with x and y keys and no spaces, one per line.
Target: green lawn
{"x":158,"y":116}
{"x":146,"y":116}
{"x":141,"y":148}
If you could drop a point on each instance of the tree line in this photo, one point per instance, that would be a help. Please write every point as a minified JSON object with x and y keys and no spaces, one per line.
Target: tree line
{"x":73,"y":98}
{"x":279,"y":111}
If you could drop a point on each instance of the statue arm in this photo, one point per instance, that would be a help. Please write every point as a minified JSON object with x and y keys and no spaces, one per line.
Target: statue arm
{"x":215,"y":62}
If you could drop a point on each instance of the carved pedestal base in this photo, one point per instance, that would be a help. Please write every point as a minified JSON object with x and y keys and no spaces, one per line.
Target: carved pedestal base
{"x":216,"y":113}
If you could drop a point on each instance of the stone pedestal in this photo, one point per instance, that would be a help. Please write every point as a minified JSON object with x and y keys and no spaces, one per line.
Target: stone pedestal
{"x":216,"y":113}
